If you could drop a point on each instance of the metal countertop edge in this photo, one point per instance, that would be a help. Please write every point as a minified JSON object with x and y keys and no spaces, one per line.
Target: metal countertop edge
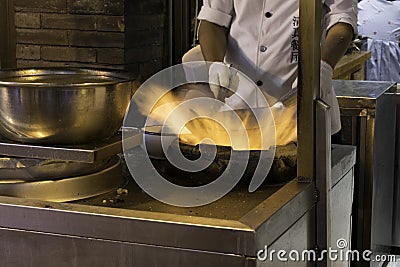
{"x":238,"y":236}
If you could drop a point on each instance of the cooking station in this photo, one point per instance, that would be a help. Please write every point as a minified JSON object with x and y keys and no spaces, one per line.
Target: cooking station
{"x":128,"y":228}
{"x":116,"y":223}
{"x":104,"y":218}
{"x":107,"y":220}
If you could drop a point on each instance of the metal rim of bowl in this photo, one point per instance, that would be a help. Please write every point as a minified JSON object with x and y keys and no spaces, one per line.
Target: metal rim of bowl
{"x":119,"y":76}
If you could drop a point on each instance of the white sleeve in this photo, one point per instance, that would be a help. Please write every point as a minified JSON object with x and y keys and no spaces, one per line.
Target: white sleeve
{"x":341,"y":11}
{"x":217,"y":11}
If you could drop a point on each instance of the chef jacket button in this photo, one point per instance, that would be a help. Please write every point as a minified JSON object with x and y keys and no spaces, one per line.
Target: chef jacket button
{"x":259,"y":83}
{"x":263,"y":48}
{"x":268,"y":14}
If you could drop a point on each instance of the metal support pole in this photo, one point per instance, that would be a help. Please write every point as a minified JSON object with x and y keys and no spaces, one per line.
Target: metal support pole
{"x":323,"y":178}
{"x":308,"y":84}
{"x":313,"y":119}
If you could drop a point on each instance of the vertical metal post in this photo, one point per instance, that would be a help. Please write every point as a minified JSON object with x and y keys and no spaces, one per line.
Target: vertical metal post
{"x":323,"y":178}
{"x":308,"y":84}
{"x":313,"y":119}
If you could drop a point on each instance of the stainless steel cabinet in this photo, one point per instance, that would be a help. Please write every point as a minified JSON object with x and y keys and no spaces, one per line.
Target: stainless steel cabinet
{"x":368,"y":114}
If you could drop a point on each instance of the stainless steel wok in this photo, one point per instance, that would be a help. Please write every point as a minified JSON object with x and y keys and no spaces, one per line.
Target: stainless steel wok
{"x":62,"y":105}
{"x":283,"y":167}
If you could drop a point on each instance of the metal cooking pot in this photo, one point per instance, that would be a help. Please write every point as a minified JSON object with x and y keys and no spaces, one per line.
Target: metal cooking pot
{"x":62,"y":105}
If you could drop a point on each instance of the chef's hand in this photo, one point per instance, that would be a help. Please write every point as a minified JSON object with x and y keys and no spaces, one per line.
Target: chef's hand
{"x":286,"y":102}
{"x":328,"y":95}
{"x":278,"y":108}
{"x":222,"y":76}
{"x":285,"y":118}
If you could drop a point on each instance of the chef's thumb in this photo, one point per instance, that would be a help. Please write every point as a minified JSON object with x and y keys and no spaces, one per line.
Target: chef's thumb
{"x":278,"y":108}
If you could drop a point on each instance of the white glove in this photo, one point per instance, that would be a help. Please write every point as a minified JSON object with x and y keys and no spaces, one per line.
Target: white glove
{"x":285,"y":118}
{"x":278,"y":108}
{"x":328,"y":95}
{"x":222,"y":75}
{"x":194,"y":66}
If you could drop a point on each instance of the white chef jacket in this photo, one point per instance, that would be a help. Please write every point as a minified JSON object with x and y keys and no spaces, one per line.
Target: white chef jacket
{"x":379,"y":20}
{"x":263,"y":37}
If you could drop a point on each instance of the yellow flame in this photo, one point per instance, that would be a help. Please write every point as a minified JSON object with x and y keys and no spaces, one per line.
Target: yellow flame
{"x":202,"y":129}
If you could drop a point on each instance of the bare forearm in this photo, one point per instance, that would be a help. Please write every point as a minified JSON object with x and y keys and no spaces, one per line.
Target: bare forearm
{"x":337,"y":41}
{"x":213,"y":40}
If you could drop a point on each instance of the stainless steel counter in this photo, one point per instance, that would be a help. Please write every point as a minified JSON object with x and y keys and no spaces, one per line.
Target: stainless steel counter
{"x":226,"y":233}
{"x":360,"y":94}
{"x":132,"y":229}
{"x":369,"y":114}
{"x":87,"y":153}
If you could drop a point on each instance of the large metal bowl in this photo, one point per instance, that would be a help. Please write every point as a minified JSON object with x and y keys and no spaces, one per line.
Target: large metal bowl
{"x":62,"y":105}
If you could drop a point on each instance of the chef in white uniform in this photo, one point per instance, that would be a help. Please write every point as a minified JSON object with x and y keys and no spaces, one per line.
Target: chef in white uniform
{"x":379,"y":20}
{"x":261,"y":39}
